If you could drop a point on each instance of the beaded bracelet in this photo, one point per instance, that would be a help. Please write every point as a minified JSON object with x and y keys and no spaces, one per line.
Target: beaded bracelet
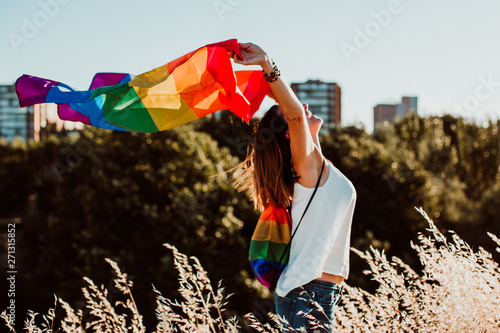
{"x":274,"y":75}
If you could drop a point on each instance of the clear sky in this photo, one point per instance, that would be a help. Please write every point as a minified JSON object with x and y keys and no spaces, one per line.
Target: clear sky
{"x":446,"y":52}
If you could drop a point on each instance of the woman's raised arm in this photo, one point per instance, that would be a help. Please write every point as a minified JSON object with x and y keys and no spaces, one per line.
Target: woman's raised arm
{"x":306,"y":153}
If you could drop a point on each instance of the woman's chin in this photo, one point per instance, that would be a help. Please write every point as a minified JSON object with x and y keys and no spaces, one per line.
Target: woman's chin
{"x":314,"y":130}
{"x":318,"y":124}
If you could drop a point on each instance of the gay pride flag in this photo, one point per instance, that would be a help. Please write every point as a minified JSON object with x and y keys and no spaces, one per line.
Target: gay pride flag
{"x":188,"y":88}
{"x":269,"y":250}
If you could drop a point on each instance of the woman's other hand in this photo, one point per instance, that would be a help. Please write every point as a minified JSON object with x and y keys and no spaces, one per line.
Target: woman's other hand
{"x":251,"y":55}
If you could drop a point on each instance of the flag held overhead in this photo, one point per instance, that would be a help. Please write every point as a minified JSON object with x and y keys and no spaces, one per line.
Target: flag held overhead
{"x":185,"y":89}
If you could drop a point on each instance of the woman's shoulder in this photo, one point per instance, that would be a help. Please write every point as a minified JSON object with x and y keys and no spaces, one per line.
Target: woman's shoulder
{"x":308,"y":173}
{"x":332,"y":179}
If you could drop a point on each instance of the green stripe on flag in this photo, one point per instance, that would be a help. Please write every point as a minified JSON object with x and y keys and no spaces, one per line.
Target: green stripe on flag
{"x":123,"y":107}
{"x":268,"y":250}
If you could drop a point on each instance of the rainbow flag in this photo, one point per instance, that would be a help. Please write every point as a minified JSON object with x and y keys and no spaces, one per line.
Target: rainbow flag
{"x":188,"y":88}
{"x":269,"y":244}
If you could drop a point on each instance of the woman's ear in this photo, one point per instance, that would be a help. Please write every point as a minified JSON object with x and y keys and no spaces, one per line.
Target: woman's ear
{"x":287,"y":135}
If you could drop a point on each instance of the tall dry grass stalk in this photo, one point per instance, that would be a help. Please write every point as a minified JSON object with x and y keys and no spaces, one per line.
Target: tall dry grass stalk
{"x":199,"y":311}
{"x":201,"y":307}
{"x":457,"y":291}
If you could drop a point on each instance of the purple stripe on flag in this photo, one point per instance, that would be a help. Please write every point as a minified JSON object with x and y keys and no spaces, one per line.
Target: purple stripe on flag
{"x":67,"y":113}
{"x":108,"y":79}
{"x":33,"y":90}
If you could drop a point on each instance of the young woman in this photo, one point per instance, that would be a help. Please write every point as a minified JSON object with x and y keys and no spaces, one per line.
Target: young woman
{"x":283,"y":169}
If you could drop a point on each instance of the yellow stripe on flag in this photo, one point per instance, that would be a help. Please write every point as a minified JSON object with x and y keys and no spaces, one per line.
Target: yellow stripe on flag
{"x":165,"y":105}
{"x":271,"y":231}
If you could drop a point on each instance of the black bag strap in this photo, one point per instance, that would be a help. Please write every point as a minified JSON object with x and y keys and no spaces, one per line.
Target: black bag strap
{"x":304,"y":213}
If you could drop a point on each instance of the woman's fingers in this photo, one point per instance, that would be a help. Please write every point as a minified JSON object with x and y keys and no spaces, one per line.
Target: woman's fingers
{"x":250,"y":54}
{"x":246,"y":45}
{"x":237,"y":59}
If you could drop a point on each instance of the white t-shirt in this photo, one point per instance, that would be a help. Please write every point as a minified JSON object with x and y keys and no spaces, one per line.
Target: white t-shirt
{"x":322,"y":241}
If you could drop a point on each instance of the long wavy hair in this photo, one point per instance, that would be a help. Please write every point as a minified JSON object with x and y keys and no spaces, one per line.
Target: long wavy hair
{"x":267,"y":172}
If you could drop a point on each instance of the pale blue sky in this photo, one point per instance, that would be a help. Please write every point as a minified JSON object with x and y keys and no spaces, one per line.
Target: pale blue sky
{"x":441,"y":51}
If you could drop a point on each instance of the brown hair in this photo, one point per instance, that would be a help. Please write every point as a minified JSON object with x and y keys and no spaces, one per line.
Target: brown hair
{"x":267,"y":170}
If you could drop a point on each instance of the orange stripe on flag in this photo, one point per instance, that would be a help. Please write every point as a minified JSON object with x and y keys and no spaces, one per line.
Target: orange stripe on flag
{"x":197,"y":86}
{"x":271,"y":213}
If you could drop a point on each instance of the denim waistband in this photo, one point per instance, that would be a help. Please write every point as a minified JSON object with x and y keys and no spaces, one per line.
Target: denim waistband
{"x":315,"y":284}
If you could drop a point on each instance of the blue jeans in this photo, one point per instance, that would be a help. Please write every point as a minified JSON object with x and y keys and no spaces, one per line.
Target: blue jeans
{"x":317,"y":298}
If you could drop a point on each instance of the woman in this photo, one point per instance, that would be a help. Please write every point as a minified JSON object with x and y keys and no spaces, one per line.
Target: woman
{"x":283,"y":169}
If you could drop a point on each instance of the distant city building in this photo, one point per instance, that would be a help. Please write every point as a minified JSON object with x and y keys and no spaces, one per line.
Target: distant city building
{"x":46,"y":119}
{"x":28,"y":122}
{"x":384,"y":112}
{"x":407,"y":106}
{"x":14,"y":120}
{"x":323,"y":99}
{"x":392,"y":112}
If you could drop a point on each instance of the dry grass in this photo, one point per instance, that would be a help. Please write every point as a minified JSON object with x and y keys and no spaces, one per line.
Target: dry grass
{"x":457,"y":291}
{"x":199,"y":311}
